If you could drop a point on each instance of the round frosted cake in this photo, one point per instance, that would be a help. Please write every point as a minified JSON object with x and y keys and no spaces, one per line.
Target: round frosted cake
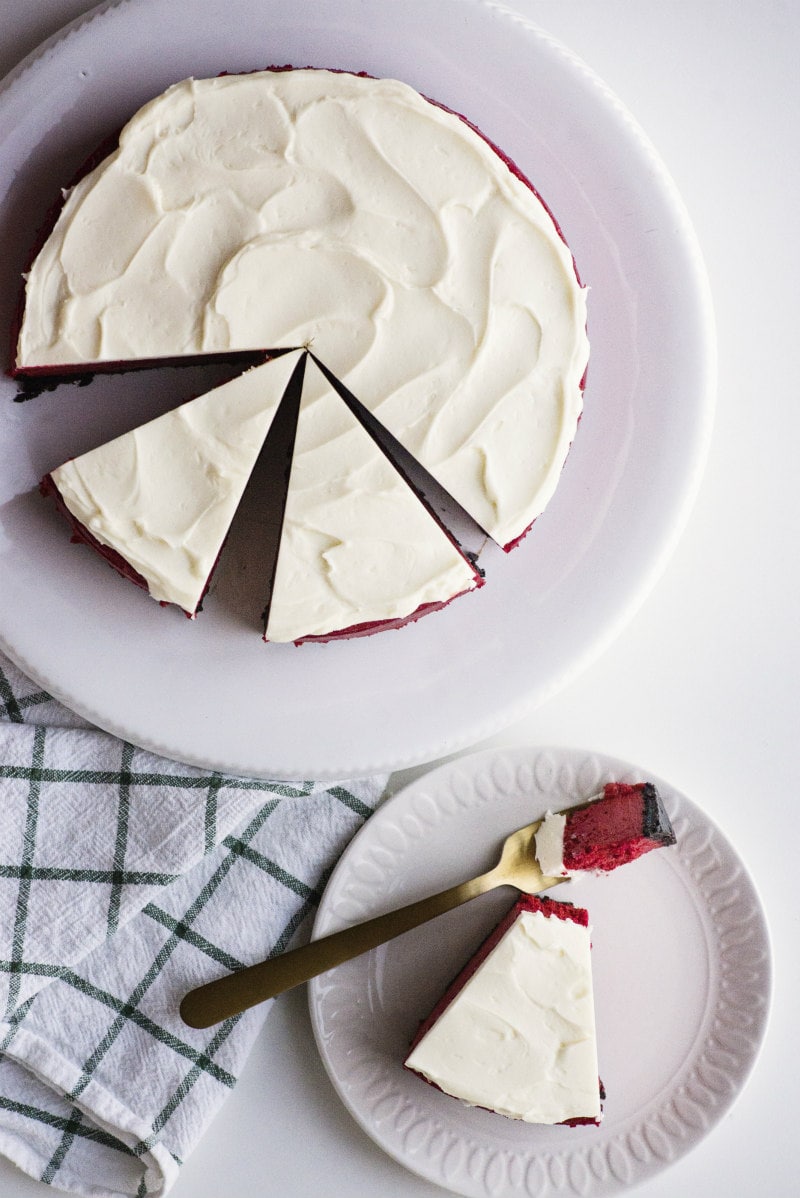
{"x":291,"y":208}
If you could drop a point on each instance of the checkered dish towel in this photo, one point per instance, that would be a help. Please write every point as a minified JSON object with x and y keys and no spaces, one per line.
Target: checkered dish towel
{"x":125,"y":880}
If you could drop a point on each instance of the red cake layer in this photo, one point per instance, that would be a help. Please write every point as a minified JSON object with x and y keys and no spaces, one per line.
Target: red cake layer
{"x":370,"y":627}
{"x":627,"y":822}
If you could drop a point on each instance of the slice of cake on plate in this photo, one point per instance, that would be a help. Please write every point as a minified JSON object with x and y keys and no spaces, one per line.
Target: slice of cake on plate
{"x":515,"y":1032}
{"x":157,"y":502}
{"x":359,"y":550}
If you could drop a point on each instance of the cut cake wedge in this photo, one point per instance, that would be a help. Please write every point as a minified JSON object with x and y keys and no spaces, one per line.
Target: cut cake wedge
{"x":157,"y":502}
{"x":515,"y":1031}
{"x":360,"y":551}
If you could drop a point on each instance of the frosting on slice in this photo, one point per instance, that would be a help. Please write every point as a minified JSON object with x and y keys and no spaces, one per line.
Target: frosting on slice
{"x":550,"y":845}
{"x":357,"y":547}
{"x":519,"y":1036}
{"x":283,"y":208}
{"x":163,"y":495}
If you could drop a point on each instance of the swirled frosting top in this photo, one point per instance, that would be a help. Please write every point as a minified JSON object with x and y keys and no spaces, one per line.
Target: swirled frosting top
{"x":282,"y":208}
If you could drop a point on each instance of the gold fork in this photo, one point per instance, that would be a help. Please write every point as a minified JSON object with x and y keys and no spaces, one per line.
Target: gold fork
{"x":236,"y":992}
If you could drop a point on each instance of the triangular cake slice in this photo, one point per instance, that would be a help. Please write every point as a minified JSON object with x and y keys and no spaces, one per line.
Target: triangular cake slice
{"x":157,"y":502}
{"x":359,"y":550}
{"x":515,"y":1032}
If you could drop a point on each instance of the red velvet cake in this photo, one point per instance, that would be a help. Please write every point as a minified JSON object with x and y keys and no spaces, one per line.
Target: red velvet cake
{"x":515,"y":1033}
{"x":288,"y":208}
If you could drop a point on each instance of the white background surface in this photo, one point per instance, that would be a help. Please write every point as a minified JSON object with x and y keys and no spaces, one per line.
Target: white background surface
{"x":702,"y":686}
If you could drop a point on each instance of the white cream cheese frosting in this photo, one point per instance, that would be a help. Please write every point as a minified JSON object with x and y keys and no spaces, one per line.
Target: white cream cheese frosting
{"x":280,"y":208}
{"x":550,"y":845}
{"x":163,"y":495}
{"x":519,"y":1037}
{"x":357,"y":544}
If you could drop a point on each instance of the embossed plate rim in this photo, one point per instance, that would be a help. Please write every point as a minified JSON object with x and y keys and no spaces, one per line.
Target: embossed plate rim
{"x":388,"y":1103}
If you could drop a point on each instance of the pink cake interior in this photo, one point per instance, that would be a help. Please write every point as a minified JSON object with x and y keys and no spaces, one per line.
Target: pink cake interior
{"x":628,"y":821}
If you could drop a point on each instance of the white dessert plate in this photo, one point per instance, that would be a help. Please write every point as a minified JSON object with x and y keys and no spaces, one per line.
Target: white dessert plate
{"x":209,"y":691}
{"x":681,"y":964}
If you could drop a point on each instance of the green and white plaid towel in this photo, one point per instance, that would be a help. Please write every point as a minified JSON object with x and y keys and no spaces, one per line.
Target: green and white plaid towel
{"x":125,"y":880}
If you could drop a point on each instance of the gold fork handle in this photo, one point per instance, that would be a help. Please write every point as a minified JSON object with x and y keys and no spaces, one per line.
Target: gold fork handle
{"x":236,"y":992}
